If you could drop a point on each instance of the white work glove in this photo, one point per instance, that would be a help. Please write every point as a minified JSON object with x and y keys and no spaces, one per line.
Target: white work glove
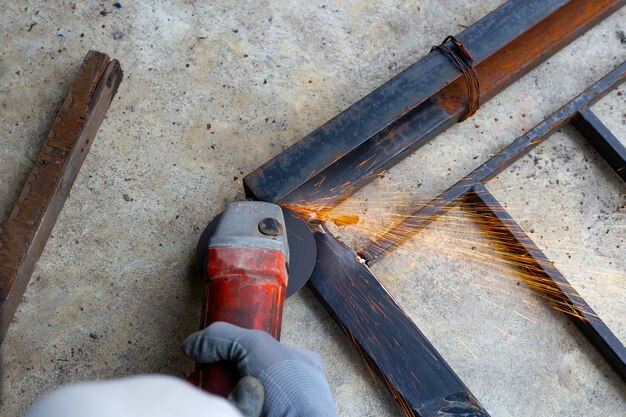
{"x":138,"y":396}
{"x":293,"y":379}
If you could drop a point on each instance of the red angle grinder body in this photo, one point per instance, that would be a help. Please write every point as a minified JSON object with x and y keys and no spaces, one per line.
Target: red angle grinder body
{"x":250,"y":258}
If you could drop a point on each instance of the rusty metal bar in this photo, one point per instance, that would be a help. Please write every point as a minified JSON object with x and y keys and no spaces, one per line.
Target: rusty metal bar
{"x":25,"y":232}
{"x":553,"y":286}
{"x":521,"y":146}
{"x":603,"y":141}
{"x":343,"y":155}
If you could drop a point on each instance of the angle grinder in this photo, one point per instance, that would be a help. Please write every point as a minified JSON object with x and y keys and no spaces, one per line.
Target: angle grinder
{"x":250,"y":258}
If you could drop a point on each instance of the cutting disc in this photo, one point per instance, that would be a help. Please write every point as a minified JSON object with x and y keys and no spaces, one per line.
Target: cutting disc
{"x":302,"y":252}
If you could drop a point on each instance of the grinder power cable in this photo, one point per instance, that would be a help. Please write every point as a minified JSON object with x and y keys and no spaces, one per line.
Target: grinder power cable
{"x":250,"y":258}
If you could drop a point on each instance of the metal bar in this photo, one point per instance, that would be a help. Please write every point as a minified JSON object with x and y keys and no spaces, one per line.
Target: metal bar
{"x":602,"y":139}
{"x":25,"y":232}
{"x":420,"y":219}
{"x":551,"y":284}
{"x":343,"y":155}
{"x":393,"y":99}
{"x":417,"y":375}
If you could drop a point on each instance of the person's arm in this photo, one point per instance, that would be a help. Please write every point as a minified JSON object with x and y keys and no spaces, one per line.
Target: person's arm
{"x":138,"y":396}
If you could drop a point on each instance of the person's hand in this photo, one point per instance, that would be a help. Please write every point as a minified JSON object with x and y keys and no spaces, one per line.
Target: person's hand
{"x":293,"y":379}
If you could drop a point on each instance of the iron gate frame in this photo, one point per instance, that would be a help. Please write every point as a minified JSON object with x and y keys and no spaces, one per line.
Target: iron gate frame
{"x":331,"y":165}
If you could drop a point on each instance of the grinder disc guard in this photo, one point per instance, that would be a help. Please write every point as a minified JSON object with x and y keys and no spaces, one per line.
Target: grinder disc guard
{"x":302,"y":251}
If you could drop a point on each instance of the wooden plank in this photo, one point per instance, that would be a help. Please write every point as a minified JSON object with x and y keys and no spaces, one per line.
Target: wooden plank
{"x":24,"y":234}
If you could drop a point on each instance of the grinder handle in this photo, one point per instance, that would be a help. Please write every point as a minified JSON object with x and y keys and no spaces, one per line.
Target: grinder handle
{"x":244,"y":286}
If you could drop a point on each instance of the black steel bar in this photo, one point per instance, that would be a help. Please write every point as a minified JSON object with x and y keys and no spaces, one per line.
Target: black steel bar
{"x":521,"y":146}
{"x":346,"y":153}
{"x":552,"y":285}
{"x":399,"y":96}
{"x":419,"y":378}
{"x":602,"y":139}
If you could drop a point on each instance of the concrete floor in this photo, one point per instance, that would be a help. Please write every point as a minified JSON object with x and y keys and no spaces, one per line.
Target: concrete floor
{"x":211,"y":91}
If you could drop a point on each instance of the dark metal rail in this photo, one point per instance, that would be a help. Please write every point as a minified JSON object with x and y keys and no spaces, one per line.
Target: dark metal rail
{"x":349,"y":151}
{"x":601,"y":138}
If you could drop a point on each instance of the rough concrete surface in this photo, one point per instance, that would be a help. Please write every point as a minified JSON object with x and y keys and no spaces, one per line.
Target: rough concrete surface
{"x":211,"y":91}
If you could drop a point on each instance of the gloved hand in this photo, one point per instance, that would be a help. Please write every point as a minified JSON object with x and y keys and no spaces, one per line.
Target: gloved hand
{"x":293,"y":379}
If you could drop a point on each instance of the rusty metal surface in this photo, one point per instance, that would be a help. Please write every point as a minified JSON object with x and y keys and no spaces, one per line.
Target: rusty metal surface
{"x":25,"y":232}
{"x":309,"y":173}
{"x":464,"y":61}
